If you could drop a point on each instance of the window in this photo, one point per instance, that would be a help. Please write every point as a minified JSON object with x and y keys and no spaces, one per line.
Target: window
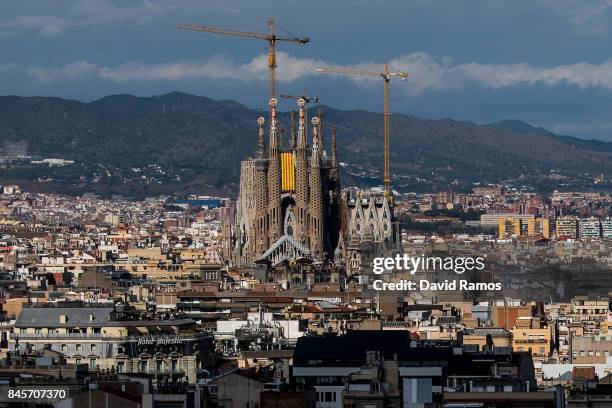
{"x":93,"y":348}
{"x":212,"y":388}
{"x":64,"y":348}
{"x":38,"y":330}
{"x":92,"y":363}
{"x":159,"y":365}
{"x":79,"y":347}
{"x":143,"y":366}
{"x":174,"y":365}
{"x":77,"y":361}
{"x":120,"y":366}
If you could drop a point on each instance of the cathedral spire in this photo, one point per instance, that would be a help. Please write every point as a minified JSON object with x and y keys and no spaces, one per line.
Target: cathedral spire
{"x":273,"y":128}
{"x":302,"y":143}
{"x":281,"y":140}
{"x":292,"y":131}
{"x":316,"y":145}
{"x":321,"y":140}
{"x":260,"y":140}
{"x":334,"y":158}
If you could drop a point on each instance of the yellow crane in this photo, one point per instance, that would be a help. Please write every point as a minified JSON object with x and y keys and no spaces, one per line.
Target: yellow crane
{"x":270,"y":37}
{"x":386,"y":75}
{"x":305,"y":97}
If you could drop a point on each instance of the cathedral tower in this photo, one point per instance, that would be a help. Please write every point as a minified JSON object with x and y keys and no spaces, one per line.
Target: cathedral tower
{"x":274,"y":178}
{"x":315,"y":207}
{"x":301,"y":176}
{"x":295,"y":196}
{"x":261,"y":193}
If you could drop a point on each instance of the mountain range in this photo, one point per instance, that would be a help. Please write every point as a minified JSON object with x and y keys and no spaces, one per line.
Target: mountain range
{"x":181,"y":143}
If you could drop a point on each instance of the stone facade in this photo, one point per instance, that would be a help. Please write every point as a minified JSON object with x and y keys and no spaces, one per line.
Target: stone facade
{"x":290,"y":206}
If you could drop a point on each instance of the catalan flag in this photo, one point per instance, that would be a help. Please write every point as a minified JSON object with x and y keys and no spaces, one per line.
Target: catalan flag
{"x":287,"y":172}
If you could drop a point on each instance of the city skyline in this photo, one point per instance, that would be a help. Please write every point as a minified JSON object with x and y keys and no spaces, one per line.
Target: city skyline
{"x":481,"y":64}
{"x":197,"y":220}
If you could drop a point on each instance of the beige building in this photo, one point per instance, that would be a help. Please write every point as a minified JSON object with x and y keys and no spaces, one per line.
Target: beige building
{"x":567,"y":227}
{"x":104,"y":338}
{"x":536,"y":340}
{"x":585,"y":310}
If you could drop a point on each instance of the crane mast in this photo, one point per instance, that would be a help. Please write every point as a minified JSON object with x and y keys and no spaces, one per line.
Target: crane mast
{"x":386,"y":76}
{"x":270,"y":37}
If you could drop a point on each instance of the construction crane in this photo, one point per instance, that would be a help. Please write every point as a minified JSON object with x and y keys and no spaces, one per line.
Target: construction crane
{"x":270,"y":37}
{"x":307,"y":99}
{"x":386,"y":75}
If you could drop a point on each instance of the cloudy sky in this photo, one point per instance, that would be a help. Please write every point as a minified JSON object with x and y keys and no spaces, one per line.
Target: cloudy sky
{"x":547,"y":62}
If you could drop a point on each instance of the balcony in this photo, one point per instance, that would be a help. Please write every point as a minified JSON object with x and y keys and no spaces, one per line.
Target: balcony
{"x":56,"y":336}
{"x":98,"y":336}
{"x":165,"y":370}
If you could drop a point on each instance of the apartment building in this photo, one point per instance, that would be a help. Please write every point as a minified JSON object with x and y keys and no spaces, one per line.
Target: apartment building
{"x":567,"y":227}
{"x":538,"y":227}
{"x":510,"y":227}
{"x":103,"y":337}
{"x":606,"y":228}
{"x":589,"y":311}
{"x":530,"y":336}
{"x":383,"y":368}
{"x":589,"y":228}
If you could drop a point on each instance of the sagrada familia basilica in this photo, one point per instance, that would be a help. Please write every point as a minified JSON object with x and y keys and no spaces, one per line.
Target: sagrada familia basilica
{"x":291,"y":210}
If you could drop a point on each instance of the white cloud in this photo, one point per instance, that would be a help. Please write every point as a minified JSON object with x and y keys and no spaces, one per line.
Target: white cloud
{"x":48,"y":26}
{"x":100,"y":11}
{"x":590,"y":17}
{"x":75,"y":70}
{"x":426,"y":73}
{"x":580,"y":129}
{"x":83,"y":13}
